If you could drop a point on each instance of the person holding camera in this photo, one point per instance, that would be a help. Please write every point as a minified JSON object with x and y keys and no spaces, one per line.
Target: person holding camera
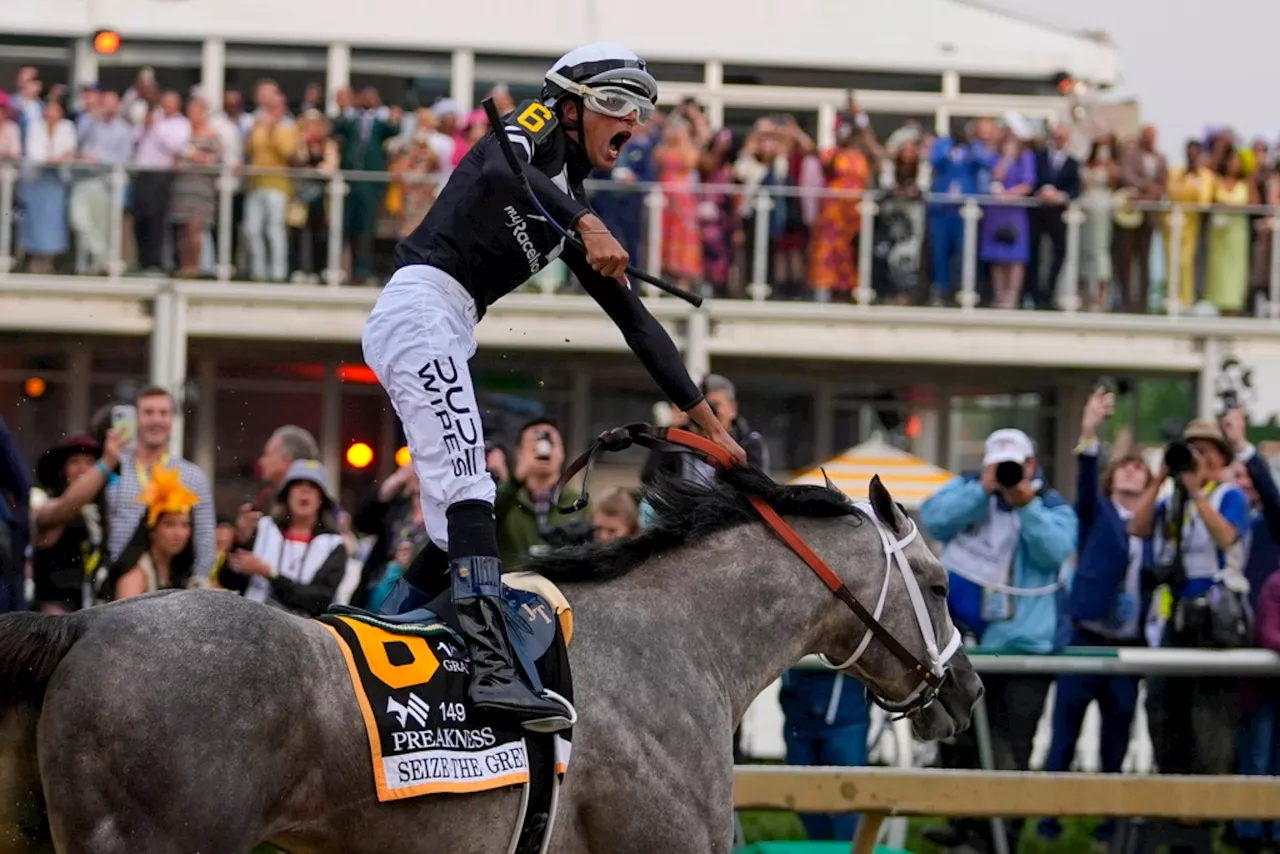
{"x":1105,"y":603}
{"x":527,"y":519}
{"x":1197,"y":533}
{"x":1005,"y":537}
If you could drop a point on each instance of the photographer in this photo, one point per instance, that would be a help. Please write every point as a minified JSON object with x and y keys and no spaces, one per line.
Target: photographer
{"x":1197,"y":537}
{"x":527,"y":519}
{"x":1006,"y":536}
{"x":1105,"y":604}
{"x":1259,"y":743}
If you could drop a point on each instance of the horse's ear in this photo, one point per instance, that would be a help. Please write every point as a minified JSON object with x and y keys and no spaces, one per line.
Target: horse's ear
{"x":885,"y":508}
{"x":830,"y":484}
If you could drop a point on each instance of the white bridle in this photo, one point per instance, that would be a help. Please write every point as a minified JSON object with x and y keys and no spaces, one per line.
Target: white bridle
{"x":937,"y":659}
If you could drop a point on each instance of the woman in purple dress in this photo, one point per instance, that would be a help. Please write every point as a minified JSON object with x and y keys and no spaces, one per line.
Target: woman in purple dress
{"x":1006,"y":229}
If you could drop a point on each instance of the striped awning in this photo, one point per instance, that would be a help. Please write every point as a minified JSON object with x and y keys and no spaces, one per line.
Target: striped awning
{"x":910,"y":480}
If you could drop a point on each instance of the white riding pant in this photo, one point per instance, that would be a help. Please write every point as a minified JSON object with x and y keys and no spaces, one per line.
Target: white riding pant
{"x":418,"y":341}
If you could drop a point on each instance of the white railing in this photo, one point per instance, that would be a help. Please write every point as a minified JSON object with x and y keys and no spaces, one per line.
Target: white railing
{"x":744,"y":208}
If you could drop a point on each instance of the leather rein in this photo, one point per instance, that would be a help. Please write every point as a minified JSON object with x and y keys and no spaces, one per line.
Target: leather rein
{"x":675,"y":439}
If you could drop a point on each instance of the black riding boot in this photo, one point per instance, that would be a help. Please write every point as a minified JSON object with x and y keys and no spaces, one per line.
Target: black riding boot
{"x":496,"y":683}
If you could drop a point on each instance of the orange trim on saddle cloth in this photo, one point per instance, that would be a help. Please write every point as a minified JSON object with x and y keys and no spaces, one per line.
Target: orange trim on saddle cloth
{"x":385,"y":793}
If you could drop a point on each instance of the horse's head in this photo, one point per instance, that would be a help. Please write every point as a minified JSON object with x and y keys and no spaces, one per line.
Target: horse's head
{"x":896,"y":577}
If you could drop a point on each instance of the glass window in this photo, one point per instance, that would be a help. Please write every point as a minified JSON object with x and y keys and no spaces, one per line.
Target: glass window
{"x":830,"y":78}
{"x":293,"y":69}
{"x":678,"y":72}
{"x":884,"y":124}
{"x":51,"y":57}
{"x":405,"y":78}
{"x":973,"y":84}
{"x":742,"y":119}
{"x":177,"y":65}
{"x":973,"y":418}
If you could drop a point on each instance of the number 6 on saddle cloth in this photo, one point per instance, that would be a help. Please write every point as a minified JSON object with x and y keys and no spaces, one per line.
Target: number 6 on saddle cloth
{"x":410,"y":674}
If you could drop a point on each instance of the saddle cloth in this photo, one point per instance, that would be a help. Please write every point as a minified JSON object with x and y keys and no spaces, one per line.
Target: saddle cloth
{"x":410,"y":673}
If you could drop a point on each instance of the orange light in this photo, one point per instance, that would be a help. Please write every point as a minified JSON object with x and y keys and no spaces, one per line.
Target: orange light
{"x":403,"y":457}
{"x":359,"y":455}
{"x":34,"y":387}
{"x":913,"y":426}
{"x":359,"y":374}
{"x":106,"y":41}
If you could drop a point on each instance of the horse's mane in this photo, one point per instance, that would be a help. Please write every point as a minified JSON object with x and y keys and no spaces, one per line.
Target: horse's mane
{"x":685,"y":512}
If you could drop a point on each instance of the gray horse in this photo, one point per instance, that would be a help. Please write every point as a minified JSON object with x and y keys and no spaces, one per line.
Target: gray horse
{"x":199,"y":722}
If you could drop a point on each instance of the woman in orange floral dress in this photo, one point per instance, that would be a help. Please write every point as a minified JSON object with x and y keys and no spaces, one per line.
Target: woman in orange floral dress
{"x":677,"y":161}
{"x":832,"y":259}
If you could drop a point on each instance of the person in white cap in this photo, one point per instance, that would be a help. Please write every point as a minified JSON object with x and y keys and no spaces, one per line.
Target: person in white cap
{"x":1006,"y":536}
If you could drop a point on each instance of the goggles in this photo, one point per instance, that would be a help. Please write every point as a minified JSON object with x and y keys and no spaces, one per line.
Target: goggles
{"x":613,"y":101}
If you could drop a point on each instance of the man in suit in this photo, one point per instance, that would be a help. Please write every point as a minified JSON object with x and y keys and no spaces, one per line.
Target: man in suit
{"x":1057,"y":183}
{"x":1143,"y":169}
{"x":363,"y":137}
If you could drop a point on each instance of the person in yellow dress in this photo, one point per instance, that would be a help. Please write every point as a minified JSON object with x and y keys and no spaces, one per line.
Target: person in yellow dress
{"x":1227,"y":271}
{"x":1190,"y":186}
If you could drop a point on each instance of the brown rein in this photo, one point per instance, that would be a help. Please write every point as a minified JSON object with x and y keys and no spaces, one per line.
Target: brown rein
{"x":649,"y":436}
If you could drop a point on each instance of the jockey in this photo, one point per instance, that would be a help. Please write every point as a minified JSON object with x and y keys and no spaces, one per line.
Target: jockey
{"x":482,"y":239}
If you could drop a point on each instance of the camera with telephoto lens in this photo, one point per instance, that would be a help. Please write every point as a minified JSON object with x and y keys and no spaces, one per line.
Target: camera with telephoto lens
{"x":1010,"y":473}
{"x":1180,"y":457}
{"x":542,"y":446}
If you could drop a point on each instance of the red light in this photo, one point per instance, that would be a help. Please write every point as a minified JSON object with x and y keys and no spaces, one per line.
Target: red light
{"x":106,"y":42}
{"x":358,"y":374}
{"x":913,"y":426}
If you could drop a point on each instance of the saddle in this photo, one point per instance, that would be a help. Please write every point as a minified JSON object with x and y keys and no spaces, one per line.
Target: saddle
{"x":410,"y":673}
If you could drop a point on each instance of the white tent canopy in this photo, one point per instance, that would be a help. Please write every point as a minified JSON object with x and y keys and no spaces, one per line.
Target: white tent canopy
{"x":910,"y":480}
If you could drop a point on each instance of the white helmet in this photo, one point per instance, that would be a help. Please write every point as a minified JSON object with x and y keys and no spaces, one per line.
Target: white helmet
{"x":607,"y":77}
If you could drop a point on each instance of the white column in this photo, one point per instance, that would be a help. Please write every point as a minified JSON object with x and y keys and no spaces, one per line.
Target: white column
{"x":1210,"y":367}
{"x":950,"y":93}
{"x":85,"y":62}
{"x":205,"y":455}
{"x":697,"y":345}
{"x":826,"y":126}
{"x":177,"y":355}
{"x":462,"y":77}
{"x":331,"y":425}
{"x":337,"y":72}
{"x":713,"y":79}
{"x":161,"y":334}
{"x":213,"y":71}
{"x":79,"y":395}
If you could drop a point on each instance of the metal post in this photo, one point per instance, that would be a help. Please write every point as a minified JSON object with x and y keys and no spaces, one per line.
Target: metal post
{"x":331,"y":425}
{"x":697,"y":353}
{"x":227,"y":182}
{"x":1273,"y":285}
{"x":1173,"y":277}
{"x":8,"y":179}
{"x":971,"y":213}
{"x":759,"y":287}
{"x":337,"y":194}
{"x":178,"y":369}
{"x":982,"y":734}
{"x":866,"y":247}
{"x":161,"y":332}
{"x":1073,"y":216}
{"x":115,"y":225}
{"x":656,"y":202}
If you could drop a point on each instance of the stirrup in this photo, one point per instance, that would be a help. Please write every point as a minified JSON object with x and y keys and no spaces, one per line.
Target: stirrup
{"x":555,"y":723}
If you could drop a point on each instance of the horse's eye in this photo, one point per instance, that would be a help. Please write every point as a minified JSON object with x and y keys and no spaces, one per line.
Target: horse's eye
{"x":939,"y":590}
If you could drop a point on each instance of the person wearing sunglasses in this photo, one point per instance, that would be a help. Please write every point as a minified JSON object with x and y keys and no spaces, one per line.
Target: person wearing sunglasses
{"x":483,"y":238}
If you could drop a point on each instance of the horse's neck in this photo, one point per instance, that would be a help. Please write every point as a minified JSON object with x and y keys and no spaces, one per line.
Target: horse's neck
{"x":739,"y":607}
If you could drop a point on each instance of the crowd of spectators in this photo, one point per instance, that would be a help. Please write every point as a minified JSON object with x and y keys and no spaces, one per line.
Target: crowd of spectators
{"x":1178,"y":554}
{"x":1180,"y":557}
{"x":173,"y":143}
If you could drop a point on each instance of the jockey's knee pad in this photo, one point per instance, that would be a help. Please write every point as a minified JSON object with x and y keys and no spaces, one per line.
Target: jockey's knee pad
{"x":476,"y":578}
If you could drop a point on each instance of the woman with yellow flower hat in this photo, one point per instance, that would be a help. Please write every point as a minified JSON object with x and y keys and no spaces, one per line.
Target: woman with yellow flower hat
{"x":160,"y":555}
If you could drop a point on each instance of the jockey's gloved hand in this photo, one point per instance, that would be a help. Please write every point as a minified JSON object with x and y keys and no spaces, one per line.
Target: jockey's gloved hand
{"x":703,"y":415}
